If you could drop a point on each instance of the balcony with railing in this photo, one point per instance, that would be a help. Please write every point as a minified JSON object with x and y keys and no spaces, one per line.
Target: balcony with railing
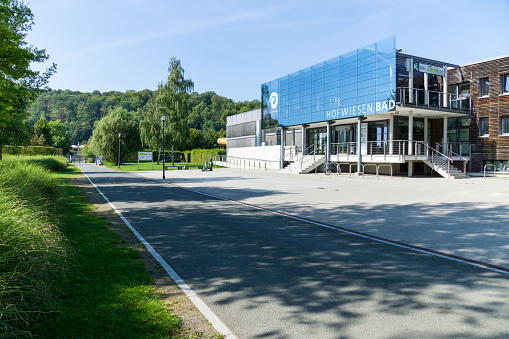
{"x":426,"y":99}
{"x":397,"y":151}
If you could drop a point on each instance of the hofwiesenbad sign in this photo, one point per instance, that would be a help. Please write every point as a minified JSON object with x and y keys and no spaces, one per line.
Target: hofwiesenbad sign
{"x":358,"y":110}
{"x":347,"y":111}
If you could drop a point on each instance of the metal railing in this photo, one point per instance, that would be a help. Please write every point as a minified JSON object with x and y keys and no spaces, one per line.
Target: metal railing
{"x":312,"y":150}
{"x":244,"y":163}
{"x":432,"y":99}
{"x":490,"y":165}
{"x":447,"y":150}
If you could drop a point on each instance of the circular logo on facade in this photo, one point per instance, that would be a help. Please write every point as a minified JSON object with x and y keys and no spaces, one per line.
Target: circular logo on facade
{"x":273,"y":99}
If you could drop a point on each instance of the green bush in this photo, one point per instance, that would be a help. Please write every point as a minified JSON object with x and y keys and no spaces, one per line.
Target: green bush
{"x":204,"y":155}
{"x":28,"y":150}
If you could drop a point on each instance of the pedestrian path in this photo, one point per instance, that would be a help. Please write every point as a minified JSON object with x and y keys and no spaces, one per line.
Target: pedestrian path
{"x":464,"y":218}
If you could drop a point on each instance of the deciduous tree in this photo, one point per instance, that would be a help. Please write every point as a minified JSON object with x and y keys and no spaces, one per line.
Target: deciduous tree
{"x":19,"y":84}
{"x":104,"y":140}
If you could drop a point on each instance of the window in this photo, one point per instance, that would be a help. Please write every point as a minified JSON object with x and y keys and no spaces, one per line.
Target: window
{"x":484,"y":128}
{"x":504,"y":125}
{"x":504,"y":84}
{"x":484,"y":87}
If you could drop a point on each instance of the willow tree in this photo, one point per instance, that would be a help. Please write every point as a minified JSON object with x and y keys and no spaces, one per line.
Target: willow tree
{"x":105,"y":138}
{"x":170,"y":100}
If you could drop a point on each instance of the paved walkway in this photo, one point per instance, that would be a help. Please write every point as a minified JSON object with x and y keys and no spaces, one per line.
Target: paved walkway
{"x":467,"y":218}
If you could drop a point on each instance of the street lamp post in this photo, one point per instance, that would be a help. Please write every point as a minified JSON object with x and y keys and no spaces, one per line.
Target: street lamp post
{"x":119,"y":150}
{"x":163,"y":118}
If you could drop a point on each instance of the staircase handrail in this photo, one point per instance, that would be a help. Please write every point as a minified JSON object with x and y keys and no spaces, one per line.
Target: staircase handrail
{"x":438,"y":145}
{"x":300,"y":155}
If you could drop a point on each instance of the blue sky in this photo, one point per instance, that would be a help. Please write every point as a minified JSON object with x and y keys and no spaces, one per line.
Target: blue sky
{"x":232,"y":47}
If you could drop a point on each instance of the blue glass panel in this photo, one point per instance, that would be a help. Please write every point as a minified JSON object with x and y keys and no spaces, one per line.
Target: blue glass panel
{"x":349,"y":87}
{"x":305,"y":80}
{"x":332,"y":63}
{"x":332,"y":78}
{"x":317,"y":107}
{"x":307,"y":102}
{"x":294,"y":77}
{"x":366,"y":76}
{"x":318,"y":82}
{"x":306,"y":86}
{"x":306,"y":91}
{"x":348,"y":81}
{"x":348,"y":67}
{"x":283,"y":92}
{"x":383,"y":71}
{"x":293,"y":120}
{"x":317,"y":95}
{"x":383,"y":60}
{"x":318,"y":88}
{"x":350,"y":57}
{"x":366,"y":61}
{"x":332,"y":72}
{"x":349,"y":102}
{"x":366,"y":83}
{"x":386,"y":44}
{"x":349,"y":73}
{"x":366,"y":91}
{"x":366,"y":99}
{"x":369,"y":68}
{"x":305,"y":118}
{"x":293,"y":85}
{"x":306,"y":110}
{"x":318,"y":116}
{"x":383,"y":96}
{"x":332,"y":84}
{"x":331,"y":92}
{"x":331,"y":105}
{"x":383,"y":80}
{"x":306,"y":72}
{"x":294,"y":94}
{"x":366,"y":51}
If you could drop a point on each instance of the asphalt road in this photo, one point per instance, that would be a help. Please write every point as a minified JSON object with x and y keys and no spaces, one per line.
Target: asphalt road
{"x":269,"y":276}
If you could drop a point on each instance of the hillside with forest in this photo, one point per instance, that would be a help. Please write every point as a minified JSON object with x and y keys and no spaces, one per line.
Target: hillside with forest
{"x":79,"y":111}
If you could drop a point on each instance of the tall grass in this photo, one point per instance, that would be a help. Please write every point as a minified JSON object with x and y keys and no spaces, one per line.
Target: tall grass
{"x":32,"y":249}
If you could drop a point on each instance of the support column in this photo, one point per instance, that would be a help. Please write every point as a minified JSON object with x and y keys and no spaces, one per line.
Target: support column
{"x":444,"y":89}
{"x":426,"y":93}
{"x":426,"y":129}
{"x":359,"y":150}
{"x":410,"y":133}
{"x":391,"y":133}
{"x":444,"y":135}
{"x":410,"y":168}
{"x":282,"y":149}
{"x":303,"y":138}
{"x":328,"y":151}
{"x":411,"y":82}
{"x":258,"y":132}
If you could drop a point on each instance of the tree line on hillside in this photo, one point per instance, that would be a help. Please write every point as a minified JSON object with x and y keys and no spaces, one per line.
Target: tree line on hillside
{"x":79,"y":111}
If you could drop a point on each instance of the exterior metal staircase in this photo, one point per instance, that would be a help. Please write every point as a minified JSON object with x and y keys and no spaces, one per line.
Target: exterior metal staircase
{"x":305,"y":165}
{"x":445,"y":165}
{"x":305,"y":161}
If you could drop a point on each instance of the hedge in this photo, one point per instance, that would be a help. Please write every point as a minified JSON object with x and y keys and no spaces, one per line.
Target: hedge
{"x":28,"y":150}
{"x":204,"y":155}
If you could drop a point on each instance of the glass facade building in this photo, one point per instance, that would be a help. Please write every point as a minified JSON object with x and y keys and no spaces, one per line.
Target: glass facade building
{"x":360,"y":82}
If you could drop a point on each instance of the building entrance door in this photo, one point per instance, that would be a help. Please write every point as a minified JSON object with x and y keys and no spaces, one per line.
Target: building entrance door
{"x":436,"y":132}
{"x":317,"y":137}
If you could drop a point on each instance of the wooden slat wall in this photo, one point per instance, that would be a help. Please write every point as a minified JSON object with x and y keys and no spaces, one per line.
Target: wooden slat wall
{"x":496,"y":146}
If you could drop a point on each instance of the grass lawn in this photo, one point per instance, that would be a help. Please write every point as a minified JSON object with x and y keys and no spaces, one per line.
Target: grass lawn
{"x":131,"y":166}
{"x":106,"y":292}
